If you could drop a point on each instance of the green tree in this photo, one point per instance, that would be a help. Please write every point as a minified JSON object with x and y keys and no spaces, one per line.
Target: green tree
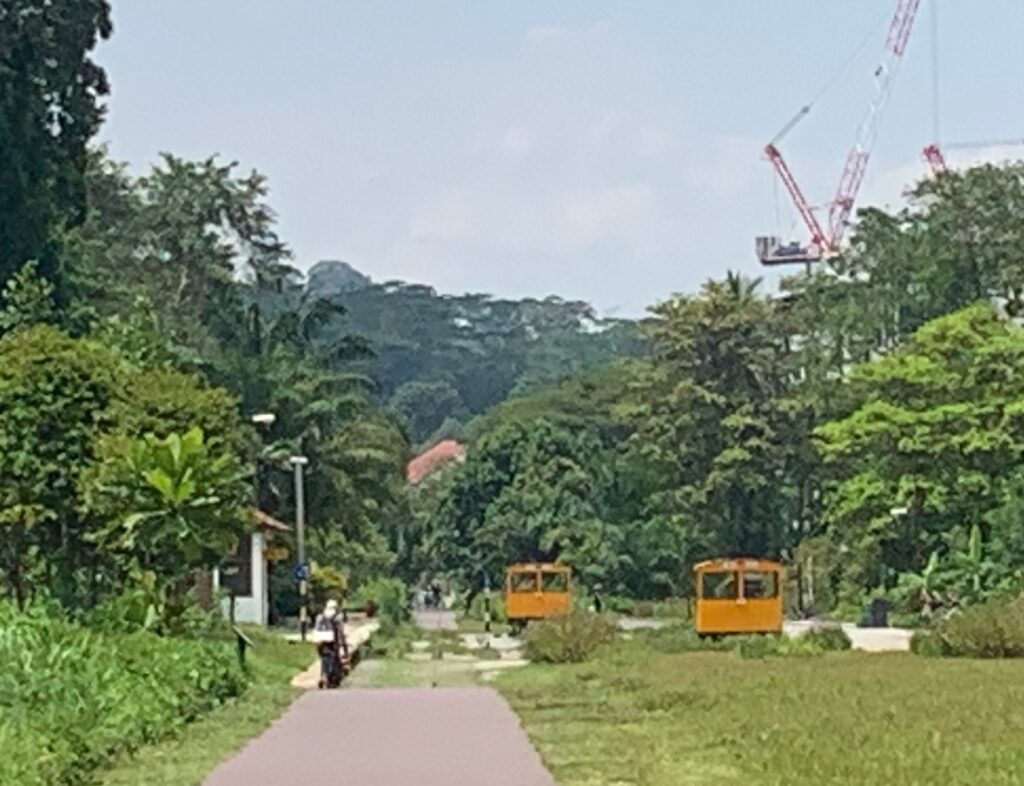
{"x":935,"y":428}
{"x":715,"y":434}
{"x":27,"y":299}
{"x":425,"y":406}
{"x":526,"y":492}
{"x":50,"y":93}
{"x":55,"y":394}
{"x":172,"y":505}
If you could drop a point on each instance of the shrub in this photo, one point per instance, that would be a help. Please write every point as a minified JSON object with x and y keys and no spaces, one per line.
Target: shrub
{"x":755,"y":646}
{"x":72,"y":699}
{"x":389,"y":595}
{"x":814,"y":642}
{"x":327,"y":583}
{"x":829,"y":639}
{"x":644,"y":609}
{"x":571,"y":638}
{"x":927,"y":644}
{"x":990,"y":630}
{"x":680,"y":638}
{"x":476,"y":608}
{"x":672,"y":608}
{"x":619,"y":604}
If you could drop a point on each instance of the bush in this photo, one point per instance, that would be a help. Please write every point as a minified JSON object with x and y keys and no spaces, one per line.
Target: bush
{"x":327,"y":583}
{"x":927,"y":644}
{"x":571,"y":638}
{"x":643,"y":609}
{"x":674,"y":608}
{"x":815,"y":642}
{"x":829,"y":639}
{"x":72,"y":699}
{"x":476,"y":608}
{"x":390,"y":596}
{"x":680,"y":638}
{"x":990,"y":630}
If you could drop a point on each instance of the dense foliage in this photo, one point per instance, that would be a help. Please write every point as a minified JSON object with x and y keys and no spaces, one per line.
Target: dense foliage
{"x":994,"y":629}
{"x":863,"y":426}
{"x":72,"y":699}
{"x":571,"y":638}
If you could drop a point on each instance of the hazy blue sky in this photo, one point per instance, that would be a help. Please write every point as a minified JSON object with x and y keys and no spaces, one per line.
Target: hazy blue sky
{"x":593,"y":149}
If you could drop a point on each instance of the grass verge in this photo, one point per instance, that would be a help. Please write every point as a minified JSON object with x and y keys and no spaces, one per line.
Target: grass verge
{"x":635,"y":715}
{"x":186,"y":759}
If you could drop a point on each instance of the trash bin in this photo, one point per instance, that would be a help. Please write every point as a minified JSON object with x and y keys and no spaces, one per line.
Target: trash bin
{"x":878,"y":613}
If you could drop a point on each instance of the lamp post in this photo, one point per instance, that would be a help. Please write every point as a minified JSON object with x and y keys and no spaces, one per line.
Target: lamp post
{"x":299,"y":464}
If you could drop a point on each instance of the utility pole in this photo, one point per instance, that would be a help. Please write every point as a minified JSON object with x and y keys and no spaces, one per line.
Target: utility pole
{"x":302,"y":570}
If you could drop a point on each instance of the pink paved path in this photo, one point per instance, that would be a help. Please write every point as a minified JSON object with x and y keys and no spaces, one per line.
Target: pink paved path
{"x":390,"y":737}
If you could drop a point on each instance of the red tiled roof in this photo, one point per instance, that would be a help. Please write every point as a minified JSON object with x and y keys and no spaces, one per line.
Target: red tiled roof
{"x":266,"y":521}
{"x":429,"y":461}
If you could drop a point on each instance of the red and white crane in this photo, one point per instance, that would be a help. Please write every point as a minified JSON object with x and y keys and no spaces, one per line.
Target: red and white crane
{"x":937,"y":160}
{"x":825,"y":240}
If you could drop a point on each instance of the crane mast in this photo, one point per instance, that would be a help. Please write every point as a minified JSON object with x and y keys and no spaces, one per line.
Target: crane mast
{"x":827,"y":241}
{"x":857,"y":160}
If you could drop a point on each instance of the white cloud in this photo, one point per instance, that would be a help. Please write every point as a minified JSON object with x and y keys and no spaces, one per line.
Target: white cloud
{"x":618,"y":212}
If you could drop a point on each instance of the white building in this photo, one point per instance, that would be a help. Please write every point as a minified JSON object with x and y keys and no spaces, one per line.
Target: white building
{"x":245,"y":575}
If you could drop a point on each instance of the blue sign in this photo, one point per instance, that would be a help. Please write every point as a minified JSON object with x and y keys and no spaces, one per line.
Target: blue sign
{"x":301,"y":571}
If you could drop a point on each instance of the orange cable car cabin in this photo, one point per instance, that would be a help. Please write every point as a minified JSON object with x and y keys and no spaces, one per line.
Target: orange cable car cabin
{"x":740,"y":595}
{"x":535,"y":591}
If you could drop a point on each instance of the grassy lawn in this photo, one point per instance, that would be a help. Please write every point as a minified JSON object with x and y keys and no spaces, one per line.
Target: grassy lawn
{"x":636,"y":716}
{"x":187,"y":759}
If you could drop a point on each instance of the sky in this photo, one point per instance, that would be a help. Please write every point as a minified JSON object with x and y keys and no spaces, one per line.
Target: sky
{"x":605,"y":151}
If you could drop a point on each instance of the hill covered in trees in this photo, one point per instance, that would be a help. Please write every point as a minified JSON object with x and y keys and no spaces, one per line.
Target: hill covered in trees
{"x":439,"y":360}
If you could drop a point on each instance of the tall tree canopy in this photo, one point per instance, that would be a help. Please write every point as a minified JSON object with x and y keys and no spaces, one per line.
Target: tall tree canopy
{"x":50,"y":93}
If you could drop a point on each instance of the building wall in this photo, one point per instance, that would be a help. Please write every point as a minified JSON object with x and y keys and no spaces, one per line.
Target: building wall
{"x":252,"y":608}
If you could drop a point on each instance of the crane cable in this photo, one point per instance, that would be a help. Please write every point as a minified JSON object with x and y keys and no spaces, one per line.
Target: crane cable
{"x":806,"y":108}
{"x":935,"y":73}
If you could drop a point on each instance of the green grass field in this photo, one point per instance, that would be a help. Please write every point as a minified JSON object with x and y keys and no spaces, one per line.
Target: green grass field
{"x":635,"y":716}
{"x":186,"y":759}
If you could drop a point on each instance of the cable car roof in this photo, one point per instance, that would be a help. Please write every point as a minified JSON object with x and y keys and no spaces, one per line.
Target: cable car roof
{"x":737,"y":563}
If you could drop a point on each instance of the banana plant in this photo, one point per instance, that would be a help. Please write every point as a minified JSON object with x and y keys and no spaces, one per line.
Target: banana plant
{"x":182,"y":507}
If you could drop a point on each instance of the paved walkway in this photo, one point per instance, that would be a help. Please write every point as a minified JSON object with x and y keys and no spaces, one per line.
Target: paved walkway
{"x":434,"y":619}
{"x":390,"y":737}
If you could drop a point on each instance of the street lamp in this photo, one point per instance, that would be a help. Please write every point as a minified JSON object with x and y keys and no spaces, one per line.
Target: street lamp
{"x":298,"y":465}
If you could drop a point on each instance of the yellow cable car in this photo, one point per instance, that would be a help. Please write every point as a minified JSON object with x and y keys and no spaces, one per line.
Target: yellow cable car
{"x":535,"y":591}
{"x":739,"y":595}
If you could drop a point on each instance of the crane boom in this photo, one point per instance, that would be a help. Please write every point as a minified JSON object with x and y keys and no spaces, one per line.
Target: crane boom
{"x":827,"y":241}
{"x":867,"y":132}
{"x":817,"y":233}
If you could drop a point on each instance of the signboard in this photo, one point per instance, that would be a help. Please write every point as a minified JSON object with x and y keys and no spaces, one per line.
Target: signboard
{"x":275,"y":553}
{"x":301,"y":571}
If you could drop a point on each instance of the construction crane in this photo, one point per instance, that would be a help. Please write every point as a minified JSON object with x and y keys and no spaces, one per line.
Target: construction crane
{"x":825,"y":240}
{"x":937,"y":160}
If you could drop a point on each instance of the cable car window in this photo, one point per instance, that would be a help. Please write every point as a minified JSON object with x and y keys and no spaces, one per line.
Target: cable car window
{"x":556,"y":582}
{"x":760,"y":584}
{"x":719,"y":585}
{"x":524,"y":582}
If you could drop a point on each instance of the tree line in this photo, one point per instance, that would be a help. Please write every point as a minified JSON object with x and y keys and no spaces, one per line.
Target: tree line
{"x":863,"y":424}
